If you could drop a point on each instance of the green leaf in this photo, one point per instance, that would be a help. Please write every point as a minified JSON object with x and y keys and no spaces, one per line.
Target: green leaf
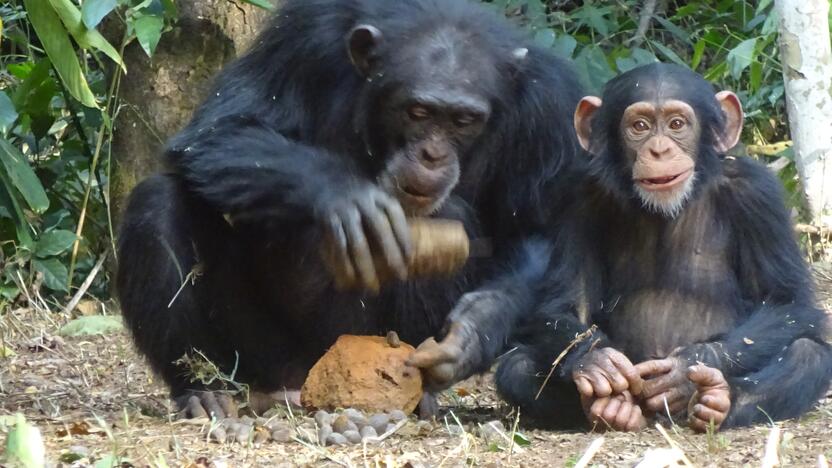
{"x":668,"y":53}
{"x":93,"y":11}
{"x":592,"y":66}
{"x":22,"y":176}
{"x":260,"y":3}
{"x":58,"y":47}
{"x":10,"y":205}
{"x":762,"y":5}
{"x":698,"y":51}
{"x":88,"y":38}
{"x":673,"y":29}
{"x":148,"y":30}
{"x":55,"y":274}
{"x":545,"y":37}
{"x":8,"y":114}
{"x":740,"y":57}
{"x":25,"y":445}
{"x":564,"y":45}
{"x":54,"y":243}
{"x":756,"y":76}
{"x":521,"y":440}
{"x":92,"y":325}
{"x":594,"y":17}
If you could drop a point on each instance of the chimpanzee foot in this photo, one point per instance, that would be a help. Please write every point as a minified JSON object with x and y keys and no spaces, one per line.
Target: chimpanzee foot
{"x":206,"y":404}
{"x":619,"y":412}
{"x":711,"y":402}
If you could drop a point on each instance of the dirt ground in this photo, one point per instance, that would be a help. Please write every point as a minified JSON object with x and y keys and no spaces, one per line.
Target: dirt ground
{"x":94,"y":400}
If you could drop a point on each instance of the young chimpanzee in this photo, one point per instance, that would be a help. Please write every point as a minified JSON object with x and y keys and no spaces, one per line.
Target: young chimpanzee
{"x":346,"y":117}
{"x":682,"y":264}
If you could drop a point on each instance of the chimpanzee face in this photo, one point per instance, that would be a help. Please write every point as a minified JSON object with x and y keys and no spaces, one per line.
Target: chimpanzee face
{"x":434,"y":106}
{"x":661,"y":127}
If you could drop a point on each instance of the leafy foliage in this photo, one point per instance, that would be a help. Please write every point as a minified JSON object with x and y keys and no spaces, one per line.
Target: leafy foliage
{"x":57,"y":104}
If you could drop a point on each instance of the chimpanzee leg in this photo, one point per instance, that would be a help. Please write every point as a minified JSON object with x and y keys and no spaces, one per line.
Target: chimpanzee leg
{"x":176,"y":262}
{"x":790,"y":385}
{"x":519,"y":378}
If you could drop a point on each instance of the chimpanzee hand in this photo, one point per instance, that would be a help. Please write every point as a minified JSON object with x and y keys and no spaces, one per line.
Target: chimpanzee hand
{"x":665,"y":380}
{"x":712,"y":400}
{"x":450,"y":360}
{"x":604,"y":372}
{"x":358,"y":218}
{"x":618,"y":412}
{"x":205,"y":404}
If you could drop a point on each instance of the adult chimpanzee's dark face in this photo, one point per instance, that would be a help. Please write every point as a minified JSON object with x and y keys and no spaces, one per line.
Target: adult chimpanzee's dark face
{"x":426,"y":114}
{"x":659,"y":134}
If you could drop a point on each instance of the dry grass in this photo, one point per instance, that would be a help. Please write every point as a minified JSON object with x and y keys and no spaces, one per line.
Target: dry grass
{"x":96,"y":394}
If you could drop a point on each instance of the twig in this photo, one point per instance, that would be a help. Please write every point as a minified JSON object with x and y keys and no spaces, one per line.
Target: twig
{"x":579,"y":338}
{"x":644,"y":17}
{"x":673,"y":444}
{"x":809,"y":229}
{"x":593,"y":448}
{"x":771,"y":458}
{"x":85,"y":285}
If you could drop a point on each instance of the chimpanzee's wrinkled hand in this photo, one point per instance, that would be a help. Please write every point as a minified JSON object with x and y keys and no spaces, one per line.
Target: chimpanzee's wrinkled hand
{"x":619,"y":412}
{"x":354,"y":221}
{"x":604,"y":372}
{"x":711,"y":402}
{"x":666,"y":380}
{"x":446,"y":362}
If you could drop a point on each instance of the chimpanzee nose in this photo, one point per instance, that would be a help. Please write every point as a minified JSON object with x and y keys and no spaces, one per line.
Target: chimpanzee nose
{"x":433,"y":155}
{"x":660,"y":147}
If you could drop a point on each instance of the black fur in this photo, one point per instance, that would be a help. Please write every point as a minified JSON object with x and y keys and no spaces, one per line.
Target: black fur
{"x":291,"y":122}
{"x":724,"y":279}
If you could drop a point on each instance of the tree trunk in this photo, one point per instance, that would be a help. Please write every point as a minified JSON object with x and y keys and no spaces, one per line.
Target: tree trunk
{"x":159,"y":95}
{"x":807,"y":72}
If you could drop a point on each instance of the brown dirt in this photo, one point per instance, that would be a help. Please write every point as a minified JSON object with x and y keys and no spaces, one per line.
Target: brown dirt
{"x":96,"y":393}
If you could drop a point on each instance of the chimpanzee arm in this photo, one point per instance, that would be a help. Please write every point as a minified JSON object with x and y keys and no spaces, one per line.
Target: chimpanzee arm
{"x":773,"y":276}
{"x":246,"y":168}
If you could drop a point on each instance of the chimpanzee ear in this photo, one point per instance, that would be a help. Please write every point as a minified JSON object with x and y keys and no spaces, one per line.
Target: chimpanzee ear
{"x":583,"y":119}
{"x":362,"y":42}
{"x":732,"y":108}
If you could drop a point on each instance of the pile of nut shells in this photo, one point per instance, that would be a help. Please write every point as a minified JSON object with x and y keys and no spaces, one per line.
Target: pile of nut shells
{"x":352,"y":426}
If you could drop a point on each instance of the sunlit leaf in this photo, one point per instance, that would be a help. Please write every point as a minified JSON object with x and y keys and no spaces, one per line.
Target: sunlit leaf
{"x":22,"y":177}
{"x":86,"y":37}
{"x":740,"y":57}
{"x":149,"y":30}
{"x":24,"y":445}
{"x":8,"y":114}
{"x":54,"y":243}
{"x":93,"y":11}
{"x":55,"y":40}
{"x":521,"y":440}
{"x":55,"y":274}
{"x":92,"y":325}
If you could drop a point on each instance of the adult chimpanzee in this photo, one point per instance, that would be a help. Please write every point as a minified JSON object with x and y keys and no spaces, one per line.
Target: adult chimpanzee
{"x":346,"y":117}
{"x":685,"y":262}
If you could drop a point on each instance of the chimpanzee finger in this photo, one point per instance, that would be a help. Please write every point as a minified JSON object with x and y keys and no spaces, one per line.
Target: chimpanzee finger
{"x":584,"y":385}
{"x":382,"y":232}
{"x":345,"y":272}
{"x":622,"y":416}
{"x":704,"y":376}
{"x":430,"y":353}
{"x":209,"y":402}
{"x":673,"y":398}
{"x":227,"y":404}
{"x":360,"y":250}
{"x":653,"y":368}
{"x":702,"y":417}
{"x":657,"y":385}
{"x":193,"y":408}
{"x":611,"y":411}
{"x":398,"y":222}
{"x":628,"y":371}
{"x":615,"y":378}
{"x":637,"y":420}
{"x":600,"y":384}
{"x":718,"y":403}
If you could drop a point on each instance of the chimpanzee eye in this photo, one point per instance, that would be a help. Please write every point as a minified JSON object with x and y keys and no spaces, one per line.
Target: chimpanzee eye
{"x":677,"y":124}
{"x":464,"y":120}
{"x":418,"y":112}
{"x":640,"y":126}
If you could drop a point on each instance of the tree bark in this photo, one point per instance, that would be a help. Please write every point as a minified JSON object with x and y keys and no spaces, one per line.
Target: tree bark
{"x":158,"y":95}
{"x":807,"y":73}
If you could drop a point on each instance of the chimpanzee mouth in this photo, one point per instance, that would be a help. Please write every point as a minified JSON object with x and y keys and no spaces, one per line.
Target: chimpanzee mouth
{"x":417,"y":195}
{"x":664,"y":182}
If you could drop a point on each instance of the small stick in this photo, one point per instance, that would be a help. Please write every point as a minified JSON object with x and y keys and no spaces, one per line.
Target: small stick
{"x":579,"y":338}
{"x":85,"y":285}
{"x":593,"y":448}
{"x":771,"y":458}
{"x":673,"y":444}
